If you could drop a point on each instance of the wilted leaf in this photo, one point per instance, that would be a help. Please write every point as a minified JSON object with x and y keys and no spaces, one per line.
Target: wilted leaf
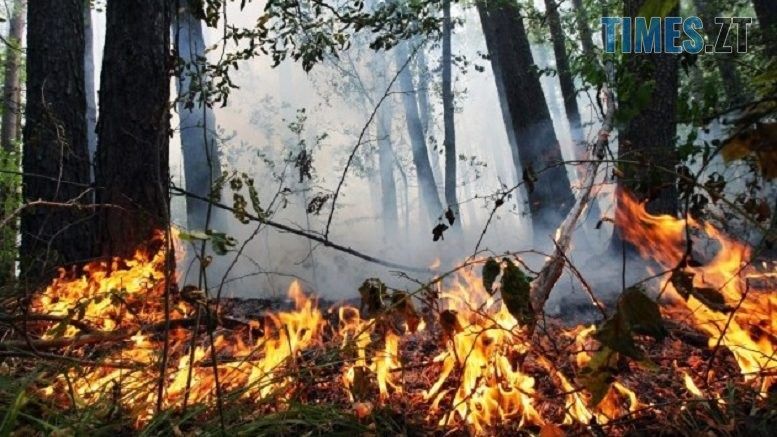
{"x":615,"y":333}
{"x":515,"y":293}
{"x":450,"y":216}
{"x":641,"y":313}
{"x":599,"y":373}
{"x":491,"y":270}
{"x":372,"y":293}
{"x":438,"y":231}
{"x":551,"y":430}
{"x":759,"y":141}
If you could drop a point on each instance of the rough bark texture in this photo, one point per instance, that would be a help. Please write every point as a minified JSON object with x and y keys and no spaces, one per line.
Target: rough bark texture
{"x":55,"y":158}
{"x":430,"y":199}
{"x":449,"y":128}
{"x":198,"y":123}
{"x":536,"y":144}
{"x":726,"y":63}
{"x":132,"y":151}
{"x":649,"y":136}
{"x":562,"y":64}
{"x":766,"y":11}
{"x":10,"y":136}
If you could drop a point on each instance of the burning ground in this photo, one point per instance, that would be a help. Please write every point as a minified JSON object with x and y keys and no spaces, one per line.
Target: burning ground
{"x":108,"y":348}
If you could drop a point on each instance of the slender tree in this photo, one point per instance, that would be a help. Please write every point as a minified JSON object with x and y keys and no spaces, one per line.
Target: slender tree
{"x":89,"y":86}
{"x":10,"y":136}
{"x":449,"y":127}
{"x":198,"y":123}
{"x":388,"y":186}
{"x":536,"y":151}
{"x":649,"y":137}
{"x":562,"y":64}
{"x":132,"y":172}
{"x":55,"y":158}
{"x":430,"y":199}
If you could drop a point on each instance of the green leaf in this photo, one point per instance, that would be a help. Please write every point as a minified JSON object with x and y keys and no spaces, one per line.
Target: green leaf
{"x":9,"y":420}
{"x":599,"y":373}
{"x":193,"y":236}
{"x":515,"y":293}
{"x":491,"y":270}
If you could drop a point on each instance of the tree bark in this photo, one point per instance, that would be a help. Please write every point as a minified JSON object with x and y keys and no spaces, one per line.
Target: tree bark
{"x":649,"y":137}
{"x":449,"y":142}
{"x":430,"y":199}
{"x":132,"y":151}
{"x":56,"y":158}
{"x":536,"y":147}
{"x":9,"y":137}
{"x":198,"y":123}
{"x":562,"y":64}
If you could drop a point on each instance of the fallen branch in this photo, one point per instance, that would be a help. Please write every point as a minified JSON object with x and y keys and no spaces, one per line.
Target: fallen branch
{"x":551,"y":271}
{"x":323,"y":240}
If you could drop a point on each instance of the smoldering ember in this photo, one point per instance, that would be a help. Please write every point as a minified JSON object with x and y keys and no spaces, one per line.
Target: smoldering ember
{"x":431,"y":217}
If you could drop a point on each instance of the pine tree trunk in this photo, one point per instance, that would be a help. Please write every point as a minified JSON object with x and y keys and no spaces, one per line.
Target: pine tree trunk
{"x":449,"y":127}
{"x":9,"y":137}
{"x":56,"y":158}
{"x":430,"y":199}
{"x":538,"y":150}
{"x":198,"y":123}
{"x":132,"y":151}
{"x":562,"y":64}
{"x":649,"y":137}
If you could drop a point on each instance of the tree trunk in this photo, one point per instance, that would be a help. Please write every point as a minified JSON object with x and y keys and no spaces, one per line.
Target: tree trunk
{"x":422,"y":93}
{"x":766,"y":11}
{"x":649,"y":137}
{"x":562,"y":64}
{"x":132,"y":151}
{"x":586,"y":39}
{"x":536,"y":146}
{"x":198,"y":123}
{"x":732,"y":83}
{"x":91,"y":96}
{"x":56,"y":157}
{"x":449,"y":141}
{"x":388,"y":184}
{"x":9,"y":137}
{"x":430,"y":199}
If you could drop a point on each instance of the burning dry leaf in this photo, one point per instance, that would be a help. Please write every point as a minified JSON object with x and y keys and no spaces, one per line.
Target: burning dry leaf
{"x":437,"y":232}
{"x":372,"y":292}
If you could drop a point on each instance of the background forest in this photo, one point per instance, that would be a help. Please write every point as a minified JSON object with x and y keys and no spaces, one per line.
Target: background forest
{"x":335,"y":143}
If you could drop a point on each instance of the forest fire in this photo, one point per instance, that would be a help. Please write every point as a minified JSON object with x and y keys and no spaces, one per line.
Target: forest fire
{"x":488,"y":369}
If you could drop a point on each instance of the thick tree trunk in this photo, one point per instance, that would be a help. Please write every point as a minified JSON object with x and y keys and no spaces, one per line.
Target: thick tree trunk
{"x":132,"y":152}
{"x":10,"y":136}
{"x":766,"y":11}
{"x":388,"y":184}
{"x":56,"y":157}
{"x":198,"y":123}
{"x":430,"y":199}
{"x":449,"y":127}
{"x":537,"y":148}
{"x":562,"y":64}
{"x":732,"y":83}
{"x":648,"y":140}
{"x":586,"y":39}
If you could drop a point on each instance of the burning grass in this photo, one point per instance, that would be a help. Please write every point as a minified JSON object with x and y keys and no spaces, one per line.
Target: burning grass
{"x":464,"y":364}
